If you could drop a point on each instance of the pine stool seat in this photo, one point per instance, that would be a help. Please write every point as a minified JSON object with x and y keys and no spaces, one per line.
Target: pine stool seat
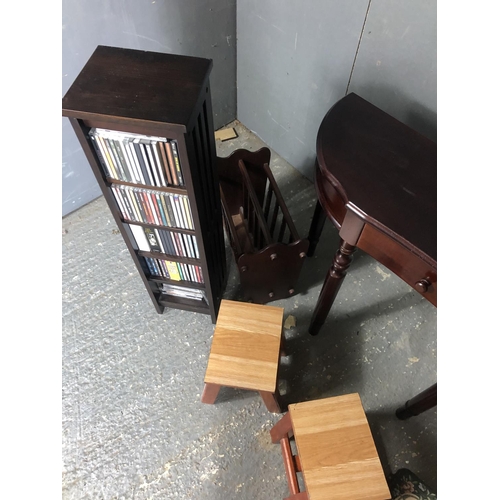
{"x":245,"y":351}
{"x":335,"y":451}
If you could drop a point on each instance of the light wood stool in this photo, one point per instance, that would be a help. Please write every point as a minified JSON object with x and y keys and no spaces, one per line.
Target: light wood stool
{"x":245,"y":351}
{"x":335,"y":451}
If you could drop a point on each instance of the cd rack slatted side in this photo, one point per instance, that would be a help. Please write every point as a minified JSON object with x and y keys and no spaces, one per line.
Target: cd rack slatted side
{"x":171,"y":100}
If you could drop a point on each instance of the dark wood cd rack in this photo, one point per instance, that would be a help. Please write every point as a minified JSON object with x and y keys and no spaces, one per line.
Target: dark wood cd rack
{"x":139,"y":93}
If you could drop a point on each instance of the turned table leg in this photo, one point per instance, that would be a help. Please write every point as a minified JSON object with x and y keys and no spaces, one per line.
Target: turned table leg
{"x":333,"y":280}
{"x":421,"y":402}
{"x":317,"y":224}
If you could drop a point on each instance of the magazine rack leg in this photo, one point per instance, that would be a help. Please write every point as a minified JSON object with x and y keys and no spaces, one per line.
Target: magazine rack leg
{"x":317,"y":224}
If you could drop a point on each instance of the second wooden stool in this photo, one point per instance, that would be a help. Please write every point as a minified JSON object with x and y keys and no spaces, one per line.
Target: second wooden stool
{"x":335,"y":451}
{"x":245,"y":351}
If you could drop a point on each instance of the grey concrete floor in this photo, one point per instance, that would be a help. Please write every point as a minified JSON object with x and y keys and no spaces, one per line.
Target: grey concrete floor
{"x":133,"y":424}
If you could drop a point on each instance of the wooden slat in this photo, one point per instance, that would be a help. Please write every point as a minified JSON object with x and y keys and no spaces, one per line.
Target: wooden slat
{"x":255,"y":203}
{"x":229,"y":224}
{"x":275,"y":217}
{"x":282,"y":204}
{"x":267,"y":203}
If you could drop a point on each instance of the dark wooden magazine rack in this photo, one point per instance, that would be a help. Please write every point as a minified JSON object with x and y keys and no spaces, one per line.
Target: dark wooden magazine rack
{"x":266,"y":245}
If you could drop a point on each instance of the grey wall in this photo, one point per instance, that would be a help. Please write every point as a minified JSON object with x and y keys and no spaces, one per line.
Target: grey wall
{"x":396,"y":66}
{"x":297,"y":58}
{"x":188,"y":27}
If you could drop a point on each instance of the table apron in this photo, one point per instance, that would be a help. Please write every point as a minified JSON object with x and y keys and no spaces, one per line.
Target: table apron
{"x":402,"y":261}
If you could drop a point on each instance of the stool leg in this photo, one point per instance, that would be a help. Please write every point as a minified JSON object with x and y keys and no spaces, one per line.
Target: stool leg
{"x":281,"y":428}
{"x":210,"y":393}
{"x":270,"y":401}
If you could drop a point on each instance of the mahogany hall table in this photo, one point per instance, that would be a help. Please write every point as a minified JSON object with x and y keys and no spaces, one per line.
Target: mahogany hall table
{"x":376,"y":180}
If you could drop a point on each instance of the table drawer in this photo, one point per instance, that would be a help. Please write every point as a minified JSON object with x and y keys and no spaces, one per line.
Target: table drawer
{"x":413,"y":269}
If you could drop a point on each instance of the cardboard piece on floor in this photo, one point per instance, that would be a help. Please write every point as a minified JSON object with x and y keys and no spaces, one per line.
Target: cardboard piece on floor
{"x":290,"y":322}
{"x":225,"y":134}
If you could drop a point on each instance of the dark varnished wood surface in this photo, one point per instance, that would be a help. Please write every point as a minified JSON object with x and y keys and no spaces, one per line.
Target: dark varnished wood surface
{"x":383,"y":168}
{"x":166,"y":95}
{"x":418,"y":404}
{"x":376,"y":180}
{"x":138,"y":85}
{"x":265,"y":243}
